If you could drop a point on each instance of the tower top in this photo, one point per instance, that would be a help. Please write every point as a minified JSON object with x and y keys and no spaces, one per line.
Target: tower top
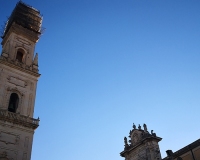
{"x":138,"y":137}
{"x":25,"y":16}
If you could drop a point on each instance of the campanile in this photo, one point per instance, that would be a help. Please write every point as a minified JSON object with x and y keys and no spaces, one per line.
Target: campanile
{"x":18,"y":80}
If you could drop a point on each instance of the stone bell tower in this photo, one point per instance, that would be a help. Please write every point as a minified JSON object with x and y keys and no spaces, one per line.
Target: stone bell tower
{"x":142,"y":145}
{"x":18,"y":81}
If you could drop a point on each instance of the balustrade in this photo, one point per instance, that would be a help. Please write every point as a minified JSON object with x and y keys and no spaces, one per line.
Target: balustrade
{"x":16,"y":118}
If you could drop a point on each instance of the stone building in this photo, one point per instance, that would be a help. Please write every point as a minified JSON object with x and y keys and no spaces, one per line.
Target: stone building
{"x":144,"y":146}
{"x":18,"y":81}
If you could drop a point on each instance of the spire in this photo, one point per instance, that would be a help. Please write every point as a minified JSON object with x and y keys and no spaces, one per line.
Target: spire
{"x":35,"y":61}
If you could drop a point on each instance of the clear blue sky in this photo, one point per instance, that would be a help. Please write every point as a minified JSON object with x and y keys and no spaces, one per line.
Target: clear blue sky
{"x":108,"y":63}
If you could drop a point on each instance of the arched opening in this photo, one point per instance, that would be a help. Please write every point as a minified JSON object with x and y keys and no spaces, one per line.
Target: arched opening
{"x":20,"y":54}
{"x":13,"y":103}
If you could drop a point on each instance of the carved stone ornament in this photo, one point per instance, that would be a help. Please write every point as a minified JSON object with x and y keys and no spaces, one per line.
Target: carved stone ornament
{"x":139,"y":127}
{"x":145,"y":127}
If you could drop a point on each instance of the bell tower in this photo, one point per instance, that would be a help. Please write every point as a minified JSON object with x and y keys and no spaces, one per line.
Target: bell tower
{"x":18,"y":81}
{"x":142,"y":145}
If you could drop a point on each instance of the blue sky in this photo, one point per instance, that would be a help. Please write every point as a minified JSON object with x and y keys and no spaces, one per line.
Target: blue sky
{"x":108,"y":63}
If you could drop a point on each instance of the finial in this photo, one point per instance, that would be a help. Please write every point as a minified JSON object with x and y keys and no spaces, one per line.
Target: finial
{"x":139,"y":127}
{"x":145,"y":127}
{"x":134,"y":127}
{"x":35,"y":61}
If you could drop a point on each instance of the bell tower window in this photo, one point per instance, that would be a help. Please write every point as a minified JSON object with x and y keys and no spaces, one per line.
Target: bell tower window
{"x":19,"y":55}
{"x":13,"y":103}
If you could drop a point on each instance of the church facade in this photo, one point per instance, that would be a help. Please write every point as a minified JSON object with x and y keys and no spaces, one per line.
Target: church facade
{"x":18,"y":80}
{"x":143,"y":145}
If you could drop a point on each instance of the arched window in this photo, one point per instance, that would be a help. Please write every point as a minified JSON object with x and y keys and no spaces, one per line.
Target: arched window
{"x":13,"y":103}
{"x":19,"y":56}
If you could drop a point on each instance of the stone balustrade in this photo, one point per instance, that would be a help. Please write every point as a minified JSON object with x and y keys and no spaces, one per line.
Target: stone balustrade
{"x":16,"y":118}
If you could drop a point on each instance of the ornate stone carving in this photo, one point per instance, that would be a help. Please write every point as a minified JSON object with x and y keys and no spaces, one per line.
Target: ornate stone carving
{"x":145,"y":127}
{"x":139,"y":127}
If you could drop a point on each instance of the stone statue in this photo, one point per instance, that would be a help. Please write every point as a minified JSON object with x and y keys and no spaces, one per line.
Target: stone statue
{"x":153,"y":134}
{"x":126,"y":146}
{"x":125,"y":141}
{"x":145,"y":127}
{"x":134,"y":127}
{"x":130,"y":133}
{"x":139,"y":127}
